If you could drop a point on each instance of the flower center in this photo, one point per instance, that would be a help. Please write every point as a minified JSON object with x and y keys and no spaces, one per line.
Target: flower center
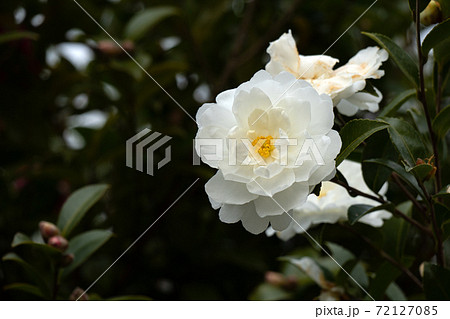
{"x":267,"y":147}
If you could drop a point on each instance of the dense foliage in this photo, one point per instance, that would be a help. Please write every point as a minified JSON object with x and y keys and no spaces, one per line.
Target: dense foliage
{"x":194,"y":50}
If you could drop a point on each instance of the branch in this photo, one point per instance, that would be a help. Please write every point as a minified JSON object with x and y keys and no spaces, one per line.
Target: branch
{"x":274,"y":30}
{"x":355,"y":192}
{"x":410,"y":196}
{"x":437,"y":232}
{"x":386,"y":256}
{"x":423,"y":99}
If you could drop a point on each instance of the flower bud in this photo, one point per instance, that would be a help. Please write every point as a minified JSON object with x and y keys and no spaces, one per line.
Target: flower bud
{"x":58,"y":242}
{"x":432,"y":14}
{"x":421,"y":269}
{"x":274,"y":278}
{"x":76,"y":293}
{"x":66,"y":260}
{"x":111,"y":48}
{"x":48,"y":230}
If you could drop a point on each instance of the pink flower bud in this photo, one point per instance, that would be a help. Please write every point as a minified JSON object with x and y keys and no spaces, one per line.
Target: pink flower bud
{"x":274,"y":278}
{"x":77,"y":293}
{"x":58,"y":242}
{"x":48,"y":230}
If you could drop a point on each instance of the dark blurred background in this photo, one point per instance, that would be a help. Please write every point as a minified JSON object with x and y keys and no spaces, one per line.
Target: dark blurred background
{"x":70,"y":98}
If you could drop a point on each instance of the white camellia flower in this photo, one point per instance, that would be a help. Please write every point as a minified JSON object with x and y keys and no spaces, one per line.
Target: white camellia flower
{"x":343,"y":85}
{"x":333,"y":202}
{"x":271,"y":140}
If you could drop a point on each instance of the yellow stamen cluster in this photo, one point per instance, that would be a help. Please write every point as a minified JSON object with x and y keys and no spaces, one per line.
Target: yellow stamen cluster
{"x":267,"y":147}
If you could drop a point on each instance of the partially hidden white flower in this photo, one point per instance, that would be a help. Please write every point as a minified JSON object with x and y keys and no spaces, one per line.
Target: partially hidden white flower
{"x":343,"y":85}
{"x":330,"y":292}
{"x":333,"y":202}
{"x":260,"y":176}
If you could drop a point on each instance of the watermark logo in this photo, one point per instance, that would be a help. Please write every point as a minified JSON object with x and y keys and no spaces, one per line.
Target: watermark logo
{"x":138,"y":144}
{"x":244,"y":152}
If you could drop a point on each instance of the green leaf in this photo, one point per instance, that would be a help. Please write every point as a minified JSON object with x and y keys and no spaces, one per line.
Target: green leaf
{"x":436,"y":282}
{"x":384,"y":276}
{"x":397,"y":102}
{"x":441,"y":123}
{"x":84,"y":245}
{"x":340,"y":254}
{"x":18,"y":35}
{"x":443,"y":218}
{"x":77,"y":205}
{"x":420,"y":171}
{"x":377,"y":146}
{"x":25,"y":288}
{"x":141,"y":23}
{"x":267,"y":291}
{"x":407,"y":140}
{"x":19,"y":239}
{"x":422,"y":5}
{"x":29,"y":272}
{"x":354,"y":133}
{"x":400,"y":57}
{"x":403,"y":174}
{"x":394,"y":293}
{"x":23,"y":240}
{"x":438,"y":39}
{"x":355,"y":212}
{"x":396,"y":232}
{"x":443,"y":193}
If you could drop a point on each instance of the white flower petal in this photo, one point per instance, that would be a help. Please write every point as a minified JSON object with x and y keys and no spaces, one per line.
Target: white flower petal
{"x":228,"y":192}
{"x":270,"y":186}
{"x":280,"y":222}
{"x":246,"y":103}
{"x":284,"y":55}
{"x":283,"y":201}
{"x":252,"y":222}
{"x":231,"y":214}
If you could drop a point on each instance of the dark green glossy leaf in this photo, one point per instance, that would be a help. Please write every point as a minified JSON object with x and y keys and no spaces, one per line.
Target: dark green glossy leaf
{"x":436,"y":282}
{"x":400,"y":57}
{"x":403,"y":174}
{"x":267,"y":291}
{"x":420,"y":171}
{"x":394,"y":293}
{"x":407,"y":140}
{"x":145,"y":20}
{"x":377,"y":146}
{"x":354,"y":133}
{"x":384,"y":276}
{"x":19,"y":239}
{"x":340,"y":254}
{"x":31,"y":289}
{"x":444,"y":193}
{"x":441,"y":123}
{"x":29,"y":272}
{"x":22,"y":240}
{"x":84,"y":245}
{"x":355,"y":212}
{"x":422,"y":5}
{"x":443,"y":218}
{"x":397,"y":102}
{"x":438,"y":39}
{"x":77,"y":205}
{"x":395,"y":232}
